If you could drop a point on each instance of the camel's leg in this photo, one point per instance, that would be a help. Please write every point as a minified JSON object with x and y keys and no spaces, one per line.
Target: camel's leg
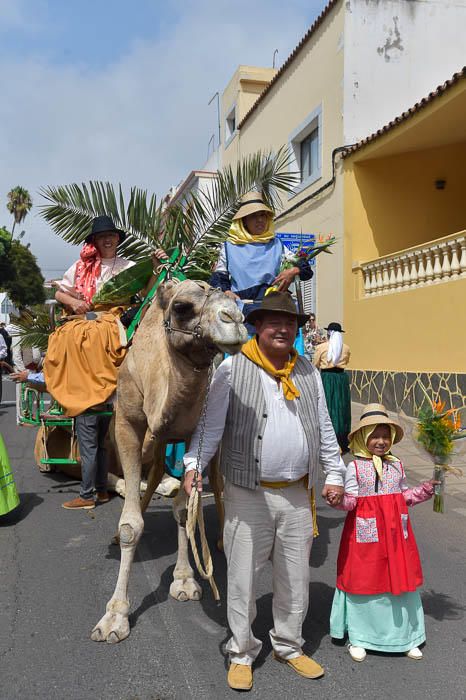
{"x":114,"y":625}
{"x":184,"y":586}
{"x":155,"y":474}
{"x":216,"y":483}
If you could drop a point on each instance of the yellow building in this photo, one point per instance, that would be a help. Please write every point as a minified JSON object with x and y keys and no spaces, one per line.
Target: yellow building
{"x":310,"y":122}
{"x":405,"y":254}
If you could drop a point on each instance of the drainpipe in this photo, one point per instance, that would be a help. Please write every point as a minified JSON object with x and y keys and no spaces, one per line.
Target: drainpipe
{"x":321,"y":189}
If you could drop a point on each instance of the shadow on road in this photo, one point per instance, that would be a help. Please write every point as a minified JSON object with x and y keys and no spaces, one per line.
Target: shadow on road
{"x":441,"y":606}
{"x":28,"y":501}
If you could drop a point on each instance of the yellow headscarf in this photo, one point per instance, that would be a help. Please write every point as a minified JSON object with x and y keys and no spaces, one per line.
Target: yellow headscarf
{"x":239,"y":235}
{"x":358,"y":446}
{"x":252,"y":351}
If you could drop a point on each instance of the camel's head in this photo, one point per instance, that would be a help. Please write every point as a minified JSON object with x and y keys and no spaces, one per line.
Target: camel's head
{"x":199,"y":320}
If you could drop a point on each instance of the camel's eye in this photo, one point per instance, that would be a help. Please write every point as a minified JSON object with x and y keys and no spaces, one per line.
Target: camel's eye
{"x":183,"y":308}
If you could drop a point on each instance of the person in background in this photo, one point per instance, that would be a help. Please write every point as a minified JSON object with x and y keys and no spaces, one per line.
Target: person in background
{"x":7,"y":338}
{"x":313,"y":336}
{"x":331,"y":358}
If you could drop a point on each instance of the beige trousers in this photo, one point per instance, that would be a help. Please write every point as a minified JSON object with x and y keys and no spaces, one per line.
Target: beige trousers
{"x":273,"y":524}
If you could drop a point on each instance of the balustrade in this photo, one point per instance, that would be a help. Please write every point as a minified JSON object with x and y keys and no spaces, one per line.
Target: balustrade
{"x":431,"y":263}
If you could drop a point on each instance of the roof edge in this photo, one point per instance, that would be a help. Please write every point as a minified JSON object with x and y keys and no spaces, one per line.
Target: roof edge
{"x":314,"y":26}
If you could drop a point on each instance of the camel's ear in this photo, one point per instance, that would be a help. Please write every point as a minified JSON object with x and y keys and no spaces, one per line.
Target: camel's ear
{"x":165,"y":293}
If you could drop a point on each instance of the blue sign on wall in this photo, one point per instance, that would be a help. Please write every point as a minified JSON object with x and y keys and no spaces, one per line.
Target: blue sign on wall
{"x":294,"y":241}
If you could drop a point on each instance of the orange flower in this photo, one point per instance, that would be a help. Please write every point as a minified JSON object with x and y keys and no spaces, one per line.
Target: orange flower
{"x":438,"y":406}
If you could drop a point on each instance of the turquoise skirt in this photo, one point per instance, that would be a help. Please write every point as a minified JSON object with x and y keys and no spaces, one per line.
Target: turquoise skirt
{"x":390,"y":623}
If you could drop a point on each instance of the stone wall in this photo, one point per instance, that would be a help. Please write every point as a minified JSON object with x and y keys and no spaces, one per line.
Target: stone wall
{"x":403,"y":390}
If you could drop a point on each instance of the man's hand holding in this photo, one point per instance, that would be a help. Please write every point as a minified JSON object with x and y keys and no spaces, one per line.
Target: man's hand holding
{"x":333,"y":494}
{"x":190,"y":479}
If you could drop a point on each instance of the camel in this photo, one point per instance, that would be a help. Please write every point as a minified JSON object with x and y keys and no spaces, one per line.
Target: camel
{"x":161,"y":389}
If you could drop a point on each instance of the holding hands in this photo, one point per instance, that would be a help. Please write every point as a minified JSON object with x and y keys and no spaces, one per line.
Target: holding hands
{"x":333,"y":494}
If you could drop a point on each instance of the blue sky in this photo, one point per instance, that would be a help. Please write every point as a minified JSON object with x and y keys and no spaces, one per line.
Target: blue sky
{"x":118,"y":90}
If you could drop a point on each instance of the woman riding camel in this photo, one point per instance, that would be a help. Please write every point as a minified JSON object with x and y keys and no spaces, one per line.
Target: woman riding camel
{"x":98,"y":263}
{"x":251,"y":258}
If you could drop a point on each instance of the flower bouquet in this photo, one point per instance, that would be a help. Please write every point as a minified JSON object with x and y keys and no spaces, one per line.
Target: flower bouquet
{"x":306,"y":253}
{"x":436,"y":431}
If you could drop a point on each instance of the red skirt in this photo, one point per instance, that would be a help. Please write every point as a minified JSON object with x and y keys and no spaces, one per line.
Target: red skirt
{"x":378,"y":552}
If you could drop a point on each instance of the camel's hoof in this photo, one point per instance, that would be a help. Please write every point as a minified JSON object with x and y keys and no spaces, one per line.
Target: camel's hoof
{"x":185,"y":589}
{"x":112,"y":628}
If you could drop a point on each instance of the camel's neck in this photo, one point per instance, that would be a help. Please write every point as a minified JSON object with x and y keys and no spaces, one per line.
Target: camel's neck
{"x":174,"y":389}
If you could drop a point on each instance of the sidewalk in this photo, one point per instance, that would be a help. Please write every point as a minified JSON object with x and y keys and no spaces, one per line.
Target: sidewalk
{"x":417,"y":467}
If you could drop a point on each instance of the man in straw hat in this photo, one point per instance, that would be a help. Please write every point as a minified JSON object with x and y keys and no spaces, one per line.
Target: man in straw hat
{"x":267,"y":408}
{"x":251,"y":258}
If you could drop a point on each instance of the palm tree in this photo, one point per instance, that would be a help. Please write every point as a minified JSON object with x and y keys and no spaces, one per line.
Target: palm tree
{"x":19,"y":205}
{"x":197,"y":226}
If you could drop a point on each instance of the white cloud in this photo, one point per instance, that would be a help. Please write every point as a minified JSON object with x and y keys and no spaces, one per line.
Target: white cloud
{"x":144,"y":119}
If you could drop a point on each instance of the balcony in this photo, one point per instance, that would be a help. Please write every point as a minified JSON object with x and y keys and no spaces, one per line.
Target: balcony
{"x":434,"y":262}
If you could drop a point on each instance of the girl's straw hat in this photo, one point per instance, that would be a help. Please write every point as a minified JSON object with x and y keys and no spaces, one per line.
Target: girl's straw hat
{"x":376,"y":414}
{"x":250,"y":203}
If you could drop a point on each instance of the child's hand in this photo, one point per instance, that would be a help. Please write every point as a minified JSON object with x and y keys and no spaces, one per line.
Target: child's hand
{"x":434,"y":482}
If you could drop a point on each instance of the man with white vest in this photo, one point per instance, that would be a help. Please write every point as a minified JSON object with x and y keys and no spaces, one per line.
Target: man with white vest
{"x":267,"y":408}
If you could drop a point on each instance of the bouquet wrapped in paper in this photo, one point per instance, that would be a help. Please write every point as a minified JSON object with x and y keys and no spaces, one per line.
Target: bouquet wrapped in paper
{"x":306,"y":253}
{"x":436,"y":431}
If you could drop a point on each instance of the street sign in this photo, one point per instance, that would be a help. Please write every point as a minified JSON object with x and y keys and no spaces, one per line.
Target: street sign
{"x":294,"y":241}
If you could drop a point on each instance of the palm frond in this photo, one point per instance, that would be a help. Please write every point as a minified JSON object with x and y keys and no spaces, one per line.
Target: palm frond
{"x":34,"y":326}
{"x":197,"y":225}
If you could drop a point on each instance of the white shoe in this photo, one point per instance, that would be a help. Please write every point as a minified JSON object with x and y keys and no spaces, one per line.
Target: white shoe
{"x":357,"y":653}
{"x":168,"y":487}
{"x":415,"y":654}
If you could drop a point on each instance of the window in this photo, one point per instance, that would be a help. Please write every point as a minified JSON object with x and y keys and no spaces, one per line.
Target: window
{"x":309,"y":155}
{"x":230,"y":125}
{"x":305,"y":145}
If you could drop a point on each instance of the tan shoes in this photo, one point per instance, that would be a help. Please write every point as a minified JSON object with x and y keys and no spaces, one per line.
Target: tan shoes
{"x":77,"y":503}
{"x":103,"y":496}
{"x":303,"y":665}
{"x":240,"y":677}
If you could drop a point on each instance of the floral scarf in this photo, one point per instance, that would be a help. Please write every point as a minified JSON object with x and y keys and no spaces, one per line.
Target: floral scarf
{"x":87,"y":272}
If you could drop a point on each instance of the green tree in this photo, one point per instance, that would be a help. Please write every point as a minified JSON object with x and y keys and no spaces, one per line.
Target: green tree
{"x":19,"y":204}
{"x":26,"y":287}
{"x":7,"y":271}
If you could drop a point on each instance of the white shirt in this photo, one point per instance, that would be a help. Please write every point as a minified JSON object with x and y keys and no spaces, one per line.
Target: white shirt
{"x":3,"y":348}
{"x":283,"y":459}
{"x":109,"y":268}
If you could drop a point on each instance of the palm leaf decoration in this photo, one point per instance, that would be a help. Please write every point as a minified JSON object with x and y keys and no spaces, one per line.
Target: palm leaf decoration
{"x":197,"y":225}
{"x":34,"y":327}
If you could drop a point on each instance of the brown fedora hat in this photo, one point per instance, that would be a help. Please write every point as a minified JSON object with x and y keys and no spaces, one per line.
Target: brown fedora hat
{"x":250,"y":203}
{"x":277,"y":302}
{"x":376,"y":414}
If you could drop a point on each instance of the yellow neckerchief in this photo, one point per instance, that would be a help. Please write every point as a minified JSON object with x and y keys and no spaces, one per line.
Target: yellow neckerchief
{"x":253,"y":353}
{"x":239,"y":235}
{"x":358,"y":446}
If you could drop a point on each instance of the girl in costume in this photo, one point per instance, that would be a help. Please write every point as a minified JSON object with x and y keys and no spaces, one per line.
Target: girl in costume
{"x":251,"y":258}
{"x":331,"y":358}
{"x":9,"y":498}
{"x":376,"y":601}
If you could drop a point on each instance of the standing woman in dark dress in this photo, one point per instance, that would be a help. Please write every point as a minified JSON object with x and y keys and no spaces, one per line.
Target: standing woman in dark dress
{"x":332,"y":358}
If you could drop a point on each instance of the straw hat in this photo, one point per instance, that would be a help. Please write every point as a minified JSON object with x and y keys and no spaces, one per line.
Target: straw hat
{"x":250,"y":203}
{"x":376,"y":414}
{"x":281,"y":302}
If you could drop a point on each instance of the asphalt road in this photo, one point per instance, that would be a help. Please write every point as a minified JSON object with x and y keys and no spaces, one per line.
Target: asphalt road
{"x":58,"y":569}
